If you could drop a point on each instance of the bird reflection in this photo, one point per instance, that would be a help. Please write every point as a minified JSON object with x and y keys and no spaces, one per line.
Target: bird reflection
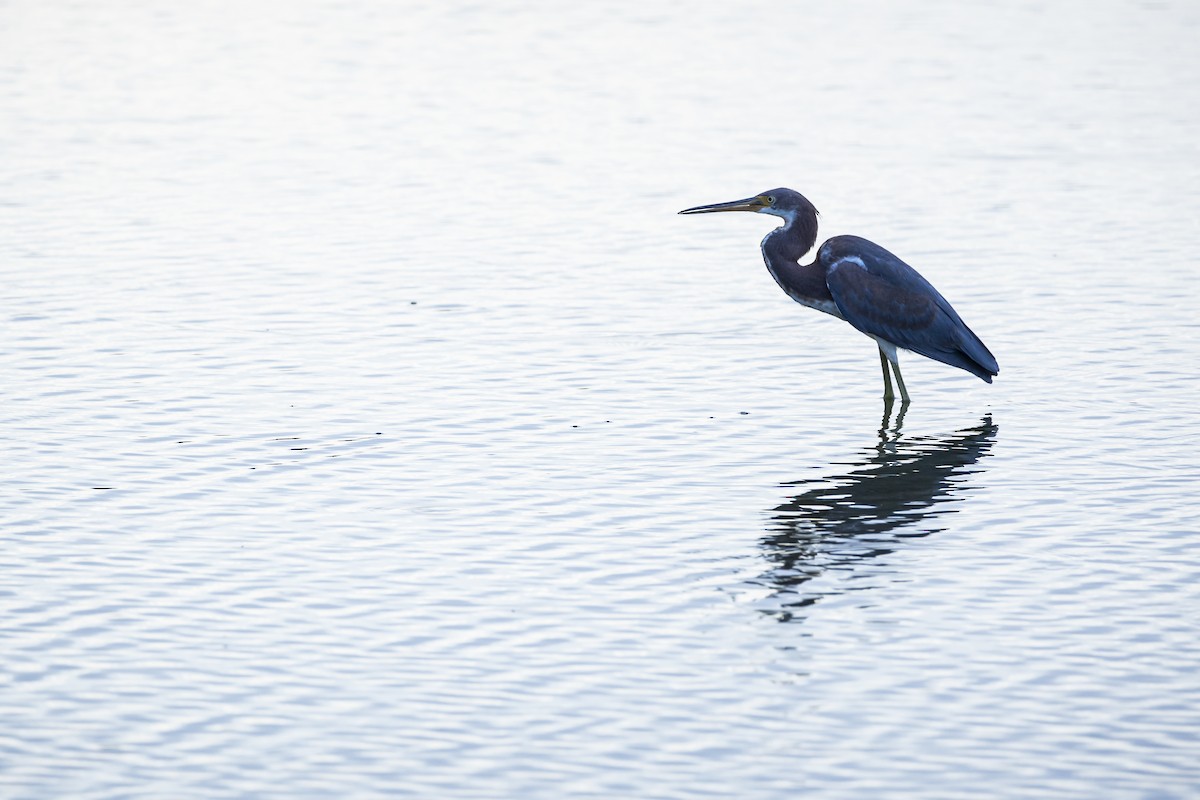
{"x":839,"y":522}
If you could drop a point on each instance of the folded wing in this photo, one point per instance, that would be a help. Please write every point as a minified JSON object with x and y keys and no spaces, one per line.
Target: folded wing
{"x":882,"y":296}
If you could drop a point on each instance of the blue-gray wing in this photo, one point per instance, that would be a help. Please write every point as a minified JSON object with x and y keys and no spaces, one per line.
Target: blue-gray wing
{"x":882,"y":296}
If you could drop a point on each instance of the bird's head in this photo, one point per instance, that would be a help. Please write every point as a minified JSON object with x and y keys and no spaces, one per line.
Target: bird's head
{"x":781,"y":202}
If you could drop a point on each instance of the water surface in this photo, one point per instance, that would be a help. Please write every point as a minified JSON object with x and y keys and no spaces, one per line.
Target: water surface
{"x":375,"y":428}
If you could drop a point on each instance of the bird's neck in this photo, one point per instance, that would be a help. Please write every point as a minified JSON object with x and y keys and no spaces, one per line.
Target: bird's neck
{"x":790,"y":241}
{"x":805,"y":283}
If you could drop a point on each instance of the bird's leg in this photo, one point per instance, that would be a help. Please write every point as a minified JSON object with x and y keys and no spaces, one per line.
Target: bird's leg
{"x":888,"y":394}
{"x":904,"y":398}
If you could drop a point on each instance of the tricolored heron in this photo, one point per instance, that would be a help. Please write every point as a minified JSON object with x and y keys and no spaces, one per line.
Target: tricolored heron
{"x":858,"y":281}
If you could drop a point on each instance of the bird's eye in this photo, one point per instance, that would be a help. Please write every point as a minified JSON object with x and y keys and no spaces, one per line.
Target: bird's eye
{"x":771,"y":201}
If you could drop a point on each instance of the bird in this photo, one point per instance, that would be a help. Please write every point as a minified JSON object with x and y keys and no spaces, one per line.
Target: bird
{"x":858,"y":281}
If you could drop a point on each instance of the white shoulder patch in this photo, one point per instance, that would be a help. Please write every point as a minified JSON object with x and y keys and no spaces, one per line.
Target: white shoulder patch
{"x":845,"y":259}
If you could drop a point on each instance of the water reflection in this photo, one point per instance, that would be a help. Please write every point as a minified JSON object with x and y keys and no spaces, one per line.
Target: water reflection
{"x":898,"y":491}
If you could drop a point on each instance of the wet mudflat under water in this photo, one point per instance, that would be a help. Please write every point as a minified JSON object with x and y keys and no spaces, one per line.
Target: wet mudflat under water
{"x":374,"y":427}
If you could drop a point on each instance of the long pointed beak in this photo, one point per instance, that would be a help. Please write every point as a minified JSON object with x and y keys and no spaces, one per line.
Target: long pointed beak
{"x":749,"y":204}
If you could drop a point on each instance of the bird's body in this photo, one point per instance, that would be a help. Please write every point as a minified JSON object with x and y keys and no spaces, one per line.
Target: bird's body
{"x":856,"y":280}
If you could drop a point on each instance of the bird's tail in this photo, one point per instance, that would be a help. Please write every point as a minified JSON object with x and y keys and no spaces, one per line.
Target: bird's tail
{"x":976,"y":358}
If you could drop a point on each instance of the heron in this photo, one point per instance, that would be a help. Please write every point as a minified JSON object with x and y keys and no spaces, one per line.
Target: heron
{"x":860,"y":282}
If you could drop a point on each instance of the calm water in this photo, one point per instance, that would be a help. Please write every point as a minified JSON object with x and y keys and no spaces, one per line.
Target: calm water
{"x":373,"y":427}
